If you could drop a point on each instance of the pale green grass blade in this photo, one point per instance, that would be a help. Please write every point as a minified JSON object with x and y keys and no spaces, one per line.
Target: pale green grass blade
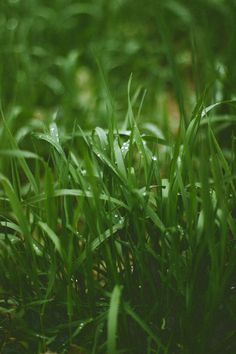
{"x":76,"y":193}
{"x":112,"y":320}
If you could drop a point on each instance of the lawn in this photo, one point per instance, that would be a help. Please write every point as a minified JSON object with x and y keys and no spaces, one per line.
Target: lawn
{"x":117,"y":177}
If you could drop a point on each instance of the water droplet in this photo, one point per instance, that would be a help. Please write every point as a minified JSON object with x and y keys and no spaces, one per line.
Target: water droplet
{"x":54,"y":132}
{"x":180,"y":346}
{"x":232,"y":287}
{"x":163,"y":324}
{"x":154,"y":158}
{"x":140,"y":286}
{"x":121,"y":220}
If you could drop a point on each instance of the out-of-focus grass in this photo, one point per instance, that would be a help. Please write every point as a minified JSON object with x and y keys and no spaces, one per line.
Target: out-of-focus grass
{"x":49,"y":52}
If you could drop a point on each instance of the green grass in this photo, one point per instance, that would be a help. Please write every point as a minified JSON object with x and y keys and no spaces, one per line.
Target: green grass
{"x":48,"y":54}
{"x":117,"y":209}
{"x":118,"y":241}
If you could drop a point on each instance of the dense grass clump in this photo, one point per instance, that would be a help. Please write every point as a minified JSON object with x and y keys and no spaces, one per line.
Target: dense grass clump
{"x":118,"y":240}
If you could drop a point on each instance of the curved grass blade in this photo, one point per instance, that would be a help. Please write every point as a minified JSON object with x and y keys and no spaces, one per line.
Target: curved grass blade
{"x":53,"y":237}
{"x":19,"y":154}
{"x":21,"y":159}
{"x":100,"y":239}
{"x":52,"y":141}
{"x":17,"y":208}
{"x":76,"y":193}
{"x":143,"y":325}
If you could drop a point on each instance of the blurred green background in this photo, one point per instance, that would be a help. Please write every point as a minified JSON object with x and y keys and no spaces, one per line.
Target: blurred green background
{"x":50,"y":52}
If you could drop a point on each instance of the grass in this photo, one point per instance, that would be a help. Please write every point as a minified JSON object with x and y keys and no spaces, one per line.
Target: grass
{"x":117,"y":229}
{"x":48,"y":54}
{"x":118,"y":241}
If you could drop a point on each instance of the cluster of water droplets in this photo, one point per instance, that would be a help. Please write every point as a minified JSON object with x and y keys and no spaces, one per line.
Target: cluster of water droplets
{"x":81,"y":326}
{"x":125,"y":147}
{"x":118,"y":219}
{"x":180,"y":230}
